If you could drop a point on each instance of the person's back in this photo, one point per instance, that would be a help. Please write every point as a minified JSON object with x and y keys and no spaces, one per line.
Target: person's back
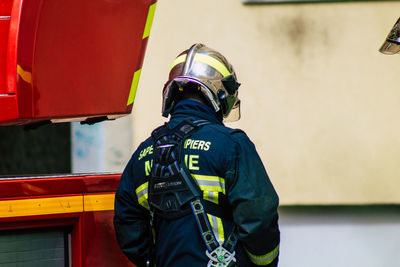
{"x":240,"y":202}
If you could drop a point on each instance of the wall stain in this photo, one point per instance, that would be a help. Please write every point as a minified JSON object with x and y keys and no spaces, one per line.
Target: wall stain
{"x":298,"y":34}
{"x":296,"y":30}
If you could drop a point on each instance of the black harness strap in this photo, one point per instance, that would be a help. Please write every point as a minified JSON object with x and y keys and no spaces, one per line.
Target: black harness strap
{"x":171,"y":186}
{"x":204,"y":224}
{"x":173,"y":192}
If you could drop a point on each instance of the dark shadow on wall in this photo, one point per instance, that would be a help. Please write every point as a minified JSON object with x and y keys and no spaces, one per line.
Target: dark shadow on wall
{"x":44,"y":150}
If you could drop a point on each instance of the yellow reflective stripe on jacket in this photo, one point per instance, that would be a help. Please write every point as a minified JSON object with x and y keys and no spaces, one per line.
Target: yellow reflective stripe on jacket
{"x":210,"y":185}
{"x":217,"y":227}
{"x":266,"y":258}
{"x":142,"y":195}
{"x":211,"y":196}
{"x":205,"y":59}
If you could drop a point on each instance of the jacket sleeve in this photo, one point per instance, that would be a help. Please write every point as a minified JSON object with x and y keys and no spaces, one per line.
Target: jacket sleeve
{"x":131,"y":221}
{"x":254,"y":203}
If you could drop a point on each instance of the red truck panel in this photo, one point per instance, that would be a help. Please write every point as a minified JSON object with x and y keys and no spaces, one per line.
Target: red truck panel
{"x":71,"y":60}
{"x":4,"y":25}
{"x":5,"y":7}
{"x":83,"y":202}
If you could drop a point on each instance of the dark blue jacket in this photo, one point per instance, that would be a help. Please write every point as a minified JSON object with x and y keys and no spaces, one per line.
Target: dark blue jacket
{"x":222,"y":160}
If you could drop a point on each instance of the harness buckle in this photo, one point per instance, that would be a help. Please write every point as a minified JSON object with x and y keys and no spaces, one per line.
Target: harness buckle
{"x":220,"y":257}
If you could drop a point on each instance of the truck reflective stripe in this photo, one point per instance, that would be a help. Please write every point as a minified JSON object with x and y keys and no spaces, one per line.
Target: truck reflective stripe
{"x":98,"y":202}
{"x":142,"y":195}
{"x":266,"y":258}
{"x":134,"y":85}
{"x":149,"y":20}
{"x":136,"y":75}
{"x":25,"y":75}
{"x":56,"y":205}
{"x":40,"y":206}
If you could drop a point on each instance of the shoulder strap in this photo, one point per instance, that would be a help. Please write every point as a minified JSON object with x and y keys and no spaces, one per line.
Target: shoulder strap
{"x":171,"y":186}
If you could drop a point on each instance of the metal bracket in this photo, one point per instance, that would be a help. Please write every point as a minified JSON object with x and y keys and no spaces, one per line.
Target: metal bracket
{"x":220,"y":257}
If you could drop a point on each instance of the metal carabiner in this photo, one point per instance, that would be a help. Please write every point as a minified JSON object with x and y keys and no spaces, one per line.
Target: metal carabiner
{"x":220,"y":257}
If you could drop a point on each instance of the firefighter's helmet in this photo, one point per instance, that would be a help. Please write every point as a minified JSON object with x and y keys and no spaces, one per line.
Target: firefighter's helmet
{"x":392,"y":43}
{"x":213,"y":75}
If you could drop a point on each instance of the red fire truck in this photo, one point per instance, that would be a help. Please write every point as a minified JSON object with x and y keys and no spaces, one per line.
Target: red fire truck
{"x":61,"y":61}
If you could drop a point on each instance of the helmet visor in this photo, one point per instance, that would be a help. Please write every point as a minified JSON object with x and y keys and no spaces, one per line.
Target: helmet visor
{"x":234,"y":115}
{"x":392,"y":44}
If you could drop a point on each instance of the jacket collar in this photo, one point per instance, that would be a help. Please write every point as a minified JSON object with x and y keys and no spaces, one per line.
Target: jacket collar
{"x":196,"y":110}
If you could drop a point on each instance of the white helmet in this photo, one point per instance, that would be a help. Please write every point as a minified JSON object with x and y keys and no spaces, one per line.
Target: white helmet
{"x":212,"y":73}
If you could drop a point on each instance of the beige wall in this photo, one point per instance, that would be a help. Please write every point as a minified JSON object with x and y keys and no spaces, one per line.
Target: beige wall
{"x":318,"y":100}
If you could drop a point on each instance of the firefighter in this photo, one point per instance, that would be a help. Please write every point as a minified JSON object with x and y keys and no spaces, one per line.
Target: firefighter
{"x":196,"y":193}
{"x":391,"y":45}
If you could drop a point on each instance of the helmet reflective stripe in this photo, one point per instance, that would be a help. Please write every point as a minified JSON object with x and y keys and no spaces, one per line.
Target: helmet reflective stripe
{"x":178,"y":60}
{"x":206,"y":59}
{"x":221,"y":68}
